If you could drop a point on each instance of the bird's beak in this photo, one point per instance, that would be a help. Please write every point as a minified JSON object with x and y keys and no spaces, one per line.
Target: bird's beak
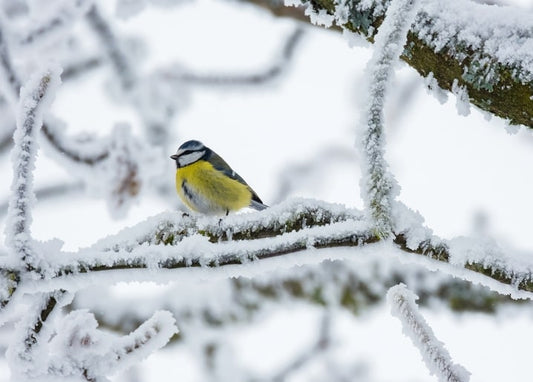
{"x":175,"y":157}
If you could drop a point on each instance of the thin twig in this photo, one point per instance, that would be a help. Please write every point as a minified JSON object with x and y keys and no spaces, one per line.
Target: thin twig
{"x":110,"y":43}
{"x":275,"y":70}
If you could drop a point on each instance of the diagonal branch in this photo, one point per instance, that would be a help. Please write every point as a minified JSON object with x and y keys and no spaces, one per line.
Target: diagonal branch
{"x":56,"y":138}
{"x":113,"y":49}
{"x":435,"y":355}
{"x":23,"y":355}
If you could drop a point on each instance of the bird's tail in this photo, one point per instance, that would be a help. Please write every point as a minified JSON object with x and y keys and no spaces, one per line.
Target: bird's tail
{"x":257,"y":205}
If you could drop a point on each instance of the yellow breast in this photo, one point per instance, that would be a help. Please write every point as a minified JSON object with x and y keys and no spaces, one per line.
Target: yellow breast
{"x":207,"y":190}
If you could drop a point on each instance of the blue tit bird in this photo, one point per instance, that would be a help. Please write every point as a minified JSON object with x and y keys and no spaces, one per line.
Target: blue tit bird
{"x":207,"y":184}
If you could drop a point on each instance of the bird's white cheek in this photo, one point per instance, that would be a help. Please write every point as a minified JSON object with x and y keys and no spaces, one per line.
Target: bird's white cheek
{"x":187,"y":159}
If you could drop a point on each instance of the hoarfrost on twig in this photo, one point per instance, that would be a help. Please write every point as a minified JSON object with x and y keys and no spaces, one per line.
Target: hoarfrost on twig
{"x":436,"y":357}
{"x":35,"y":96}
{"x":378,"y":186}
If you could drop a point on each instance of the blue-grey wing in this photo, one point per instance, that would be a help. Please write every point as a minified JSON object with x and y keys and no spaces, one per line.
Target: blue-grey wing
{"x":221,"y":165}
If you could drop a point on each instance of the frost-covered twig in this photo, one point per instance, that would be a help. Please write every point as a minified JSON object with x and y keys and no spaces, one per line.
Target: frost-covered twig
{"x":436,"y":357}
{"x":154,"y":108}
{"x":8,"y":75}
{"x":35,"y":96}
{"x":73,"y":347}
{"x":121,"y":65}
{"x":295,"y":175}
{"x":104,"y":355}
{"x":272,"y":72}
{"x":78,"y":153}
{"x":24,"y":353}
{"x":378,"y":186}
{"x":56,"y":26}
{"x":75,"y":69}
{"x":353,"y":286}
{"x":86,"y":153}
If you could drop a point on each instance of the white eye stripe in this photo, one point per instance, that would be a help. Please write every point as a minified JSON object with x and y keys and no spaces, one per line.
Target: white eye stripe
{"x":187,"y":159}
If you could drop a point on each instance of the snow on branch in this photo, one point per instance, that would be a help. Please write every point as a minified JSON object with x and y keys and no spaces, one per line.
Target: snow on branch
{"x":154,"y":99}
{"x":170,"y":241}
{"x":79,"y":349}
{"x":354,"y":285}
{"x":435,"y":355}
{"x":35,"y":97}
{"x":25,"y":353}
{"x":487,"y":49}
{"x":72,"y":346}
{"x":378,"y":186}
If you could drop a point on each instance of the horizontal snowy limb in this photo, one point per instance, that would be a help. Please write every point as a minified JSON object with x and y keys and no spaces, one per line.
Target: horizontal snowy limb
{"x":172,"y":241}
{"x":488,"y":50}
{"x":354,"y":286}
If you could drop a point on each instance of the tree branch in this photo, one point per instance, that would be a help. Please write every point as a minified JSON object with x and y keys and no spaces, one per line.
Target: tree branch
{"x":378,"y":186}
{"x":170,"y":241}
{"x":435,"y":355}
{"x":496,"y":82}
{"x":33,"y":99}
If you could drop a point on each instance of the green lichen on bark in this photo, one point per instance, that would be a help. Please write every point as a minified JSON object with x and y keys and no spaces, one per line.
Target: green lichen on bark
{"x":502,"y":95}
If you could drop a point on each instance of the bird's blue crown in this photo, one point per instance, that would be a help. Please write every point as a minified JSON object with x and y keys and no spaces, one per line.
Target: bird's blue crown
{"x":192,"y":145}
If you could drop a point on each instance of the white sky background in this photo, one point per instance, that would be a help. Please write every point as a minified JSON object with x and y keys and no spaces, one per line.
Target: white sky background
{"x":449,"y":168}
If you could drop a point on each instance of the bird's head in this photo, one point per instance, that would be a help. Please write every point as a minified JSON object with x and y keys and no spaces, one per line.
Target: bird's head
{"x":189,"y":152}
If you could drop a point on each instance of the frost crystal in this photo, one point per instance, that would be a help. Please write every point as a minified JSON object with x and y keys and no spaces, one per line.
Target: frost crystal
{"x":433,"y":88}
{"x":462,"y":100}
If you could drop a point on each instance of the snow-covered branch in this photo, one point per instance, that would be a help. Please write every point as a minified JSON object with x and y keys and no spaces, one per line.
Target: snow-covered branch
{"x":491,"y":57}
{"x":354,"y":285}
{"x":170,"y":241}
{"x":436,"y":357}
{"x":378,"y":187}
{"x":35,"y":96}
{"x":73,"y":347}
